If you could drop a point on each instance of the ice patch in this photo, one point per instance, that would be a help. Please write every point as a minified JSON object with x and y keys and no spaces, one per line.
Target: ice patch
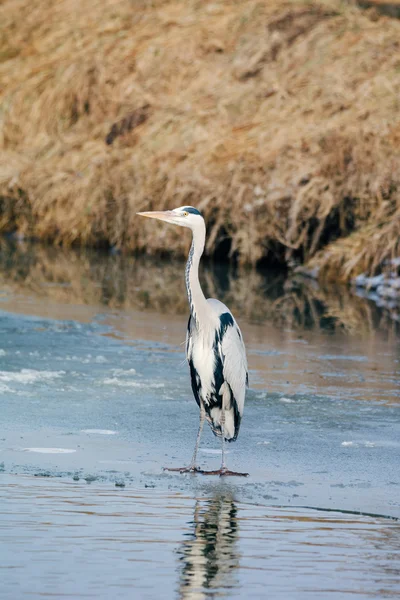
{"x":100,"y":359}
{"x":265,"y":352}
{"x":213,"y":451}
{"x":263,"y":443}
{"x":99,"y":431}
{"x":137,"y":384}
{"x":112,"y":462}
{"x":343,"y":357}
{"x":2,"y":352}
{"x":26,"y":376}
{"x":366,"y":444}
{"x":5,"y":389}
{"x":50,"y":450}
{"x":287,"y":400}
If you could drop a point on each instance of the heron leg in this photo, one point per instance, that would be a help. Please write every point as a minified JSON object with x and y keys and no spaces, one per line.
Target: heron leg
{"x":223,"y":465}
{"x":196,"y":448}
{"x":223,"y":471}
{"x":192,"y":468}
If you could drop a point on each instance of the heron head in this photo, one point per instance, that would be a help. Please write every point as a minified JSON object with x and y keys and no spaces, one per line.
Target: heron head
{"x":184,"y":216}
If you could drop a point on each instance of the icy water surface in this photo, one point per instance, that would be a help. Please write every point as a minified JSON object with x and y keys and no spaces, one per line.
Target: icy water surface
{"x":95,"y":399}
{"x":71,"y":540}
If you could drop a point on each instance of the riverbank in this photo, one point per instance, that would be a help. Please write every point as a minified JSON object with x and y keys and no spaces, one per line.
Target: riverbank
{"x":280,"y":121}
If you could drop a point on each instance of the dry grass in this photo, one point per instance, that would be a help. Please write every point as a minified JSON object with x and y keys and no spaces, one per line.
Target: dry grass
{"x":280,"y":120}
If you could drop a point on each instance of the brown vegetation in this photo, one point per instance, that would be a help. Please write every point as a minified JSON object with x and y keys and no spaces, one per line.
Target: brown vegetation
{"x":280,"y":120}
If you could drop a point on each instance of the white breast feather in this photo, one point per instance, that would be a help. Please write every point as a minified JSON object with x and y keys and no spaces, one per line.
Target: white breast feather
{"x":203,"y":360}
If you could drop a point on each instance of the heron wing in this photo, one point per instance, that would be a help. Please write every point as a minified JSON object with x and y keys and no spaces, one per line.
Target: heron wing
{"x":233,"y":357}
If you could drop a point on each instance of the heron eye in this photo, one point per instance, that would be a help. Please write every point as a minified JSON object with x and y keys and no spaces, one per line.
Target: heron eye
{"x":185,"y":214}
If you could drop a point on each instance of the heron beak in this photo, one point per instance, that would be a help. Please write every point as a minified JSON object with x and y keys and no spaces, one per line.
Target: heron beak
{"x":162,"y":215}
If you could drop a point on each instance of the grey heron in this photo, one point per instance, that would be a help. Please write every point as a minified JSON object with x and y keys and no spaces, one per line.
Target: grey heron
{"x":214,"y":348}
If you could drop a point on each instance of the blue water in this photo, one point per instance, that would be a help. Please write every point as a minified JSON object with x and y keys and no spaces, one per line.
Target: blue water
{"x":63,"y":384}
{"x":73,"y":540}
{"x":95,"y":400}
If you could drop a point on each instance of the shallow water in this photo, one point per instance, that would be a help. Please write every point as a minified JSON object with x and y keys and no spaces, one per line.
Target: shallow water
{"x":95,"y":399}
{"x":73,"y":540}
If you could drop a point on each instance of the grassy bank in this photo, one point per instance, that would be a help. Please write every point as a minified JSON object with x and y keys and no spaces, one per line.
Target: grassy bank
{"x":279,"y":120}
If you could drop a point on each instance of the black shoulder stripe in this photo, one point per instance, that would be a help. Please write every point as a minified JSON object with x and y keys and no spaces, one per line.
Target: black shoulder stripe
{"x":237,"y":418}
{"x":226,"y":321}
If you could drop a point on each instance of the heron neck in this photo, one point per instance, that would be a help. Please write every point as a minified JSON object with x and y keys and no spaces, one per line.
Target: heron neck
{"x":197,"y":300}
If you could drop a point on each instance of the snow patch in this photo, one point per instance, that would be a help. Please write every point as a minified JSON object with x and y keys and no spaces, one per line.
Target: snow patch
{"x":4,"y":389}
{"x":136,"y":384}
{"x":213,"y":451}
{"x":27,"y":376}
{"x":50,"y":450}
{"x":100,"y":359}
{"x":100,"y":431}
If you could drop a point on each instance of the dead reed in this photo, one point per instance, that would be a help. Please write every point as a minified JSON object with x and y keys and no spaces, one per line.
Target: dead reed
{"x":280,"y":120}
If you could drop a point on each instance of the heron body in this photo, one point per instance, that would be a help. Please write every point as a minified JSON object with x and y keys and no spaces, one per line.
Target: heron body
{"x":214,"y":347}
{"x":218,"y":380}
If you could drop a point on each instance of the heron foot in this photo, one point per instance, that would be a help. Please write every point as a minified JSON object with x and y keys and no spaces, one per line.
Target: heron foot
{"x":224,"y":472}
{"x":189,"y":469}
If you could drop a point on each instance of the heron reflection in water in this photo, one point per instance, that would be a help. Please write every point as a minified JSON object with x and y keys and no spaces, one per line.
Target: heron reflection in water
{"x":209,"y":558}
{"x":214,"y":348}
